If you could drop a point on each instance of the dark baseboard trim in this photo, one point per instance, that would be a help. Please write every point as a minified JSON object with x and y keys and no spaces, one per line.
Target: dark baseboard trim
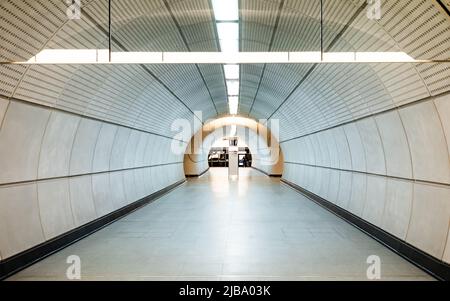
{"x":199,"y":175}
{"x":18,"y":262}
{"x":267,"y":174}
{"x":433,"y":266}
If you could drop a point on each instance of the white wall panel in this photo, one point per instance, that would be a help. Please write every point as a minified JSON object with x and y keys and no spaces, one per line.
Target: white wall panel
{"x":398,"y":158}
{"x":333,"y":188}
{"x":430,"y":218}
{"x":332,"y":148}
{"x":359,"y":189}
{"x":130,"y":186}
{"x":397,"y":211}
{"x":139,"y":159}
{"x":84,"y":146}
{"x":103,"y":148}
{"x":139,"y":182}
{"x":345,"y":189}
{"x":324,"y":182}
{"x":130,"y":151}
{"x":82,"y":202}
{"x":317,"y":151}
{"x":311,"y":156}
{"x":427,"y":143}
{"x":102,"y":194}
{"x":322,"y":140}
{"x":156,"y":150}
{"x":356,"y":147}
{"x":158,"y":178}
{"x":149,"y":181}
{"x":20,"y":225}
{"x":55,"y":208}
{"x":375,"y":200}
{"x":149,"y":150}
{"x":373,"y":147}
{"x":117,"y":188}
{"x":443,"y":107}
{"x":343,"y":149}
{"x":20,"y":142}
{"x":3,"y":107}
{"x":119,"y":147}
{"x":57,"y":145}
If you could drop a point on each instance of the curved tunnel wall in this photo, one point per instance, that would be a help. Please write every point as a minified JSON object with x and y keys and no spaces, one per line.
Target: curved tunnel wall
{"x":60,"y":171}
{"x":391,"y":169}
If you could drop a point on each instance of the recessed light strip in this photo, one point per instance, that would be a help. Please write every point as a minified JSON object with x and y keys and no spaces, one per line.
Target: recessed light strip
{"x":226,"y":13}
{"x":100,"y":56}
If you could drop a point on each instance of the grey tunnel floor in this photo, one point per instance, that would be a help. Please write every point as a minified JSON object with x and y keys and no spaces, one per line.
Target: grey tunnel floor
{"x":212,"y":229}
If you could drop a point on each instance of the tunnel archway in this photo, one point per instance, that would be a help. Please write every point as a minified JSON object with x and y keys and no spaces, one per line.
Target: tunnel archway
{"x":267,"y":155}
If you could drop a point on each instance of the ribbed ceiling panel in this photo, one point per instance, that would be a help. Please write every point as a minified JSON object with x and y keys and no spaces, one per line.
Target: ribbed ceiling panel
{"x":305,"y":97}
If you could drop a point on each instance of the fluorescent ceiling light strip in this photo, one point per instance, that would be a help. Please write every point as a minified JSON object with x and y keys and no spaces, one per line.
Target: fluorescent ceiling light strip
{"x":351,"y":57}
{"x":233,"y":87}
{"x":137,"y":57}
{"x":74,"y":56}
{"x":339,"y":56}
{"x":383,"y":57}
{"x":233,"y":103}
{"x":226,"y":10}
{"x":231,"y":71}
{"x":229,"y":46}
{"x":228,"y":31}
{"x":101,"y":56}
{"x":305,"y":57}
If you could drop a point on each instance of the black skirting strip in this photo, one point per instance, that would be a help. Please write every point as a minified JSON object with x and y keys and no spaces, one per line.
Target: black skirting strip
{"x":196,"y":176}
{"x":433,"y":266}
{"x":267,"y":174}
{"x":20,"y":261}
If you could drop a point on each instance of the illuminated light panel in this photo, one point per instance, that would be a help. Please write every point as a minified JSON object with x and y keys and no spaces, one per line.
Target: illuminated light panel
{"x":228,"y":37}
{"x":367,"y":57}
{"x":229,"y":46}
{"x":339,"y":56}
{"x":101,"y":56}
{"x":226,"y":10}
{"x":228,"y":31}
{"x":231,"y":71}
{"x":233,"y":103}
{"x":137,"y":57}
{"x":233,"y":87}
{"x":305,"y":57}
{"x":352,"y":57}
{"x":74,"y":56}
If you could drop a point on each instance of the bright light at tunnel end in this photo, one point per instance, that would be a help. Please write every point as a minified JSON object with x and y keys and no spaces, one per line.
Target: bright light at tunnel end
{"x":191,"y":137}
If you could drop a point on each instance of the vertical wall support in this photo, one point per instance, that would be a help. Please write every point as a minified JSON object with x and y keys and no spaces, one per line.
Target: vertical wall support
{"x":109,"y":31}
{"x":321,"y":30}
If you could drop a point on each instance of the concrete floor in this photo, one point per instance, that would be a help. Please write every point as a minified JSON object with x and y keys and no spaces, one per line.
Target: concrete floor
{"x":213,"y":229}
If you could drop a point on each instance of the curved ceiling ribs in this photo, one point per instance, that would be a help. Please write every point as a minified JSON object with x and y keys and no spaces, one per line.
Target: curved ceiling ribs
{"x":308,"y":98}
{"x":324,"y":88}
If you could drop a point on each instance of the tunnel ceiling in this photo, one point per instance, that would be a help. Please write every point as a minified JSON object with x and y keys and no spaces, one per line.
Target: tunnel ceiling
{"x":305,"y":97}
